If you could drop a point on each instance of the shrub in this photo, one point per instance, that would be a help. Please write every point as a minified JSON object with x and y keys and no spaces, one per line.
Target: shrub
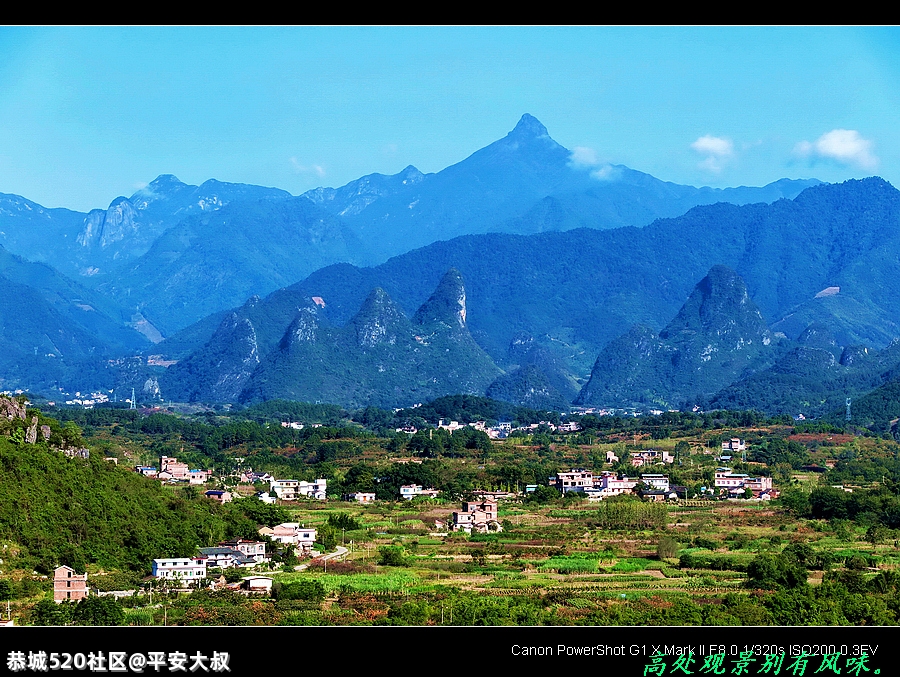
{"x":392,"y":556}
{"x":308,"y":591}
{"x":667,"y":547}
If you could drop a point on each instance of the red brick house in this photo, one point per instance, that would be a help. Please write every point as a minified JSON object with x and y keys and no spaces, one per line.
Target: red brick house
{"x":67,"y":585}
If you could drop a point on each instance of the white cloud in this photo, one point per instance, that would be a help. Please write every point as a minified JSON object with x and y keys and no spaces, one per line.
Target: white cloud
{"x":582,"y":156}
{"x":606,"y":173}
{"x":717,"y":151}
{"x":318,"y":170}
{"x":841,"y":145}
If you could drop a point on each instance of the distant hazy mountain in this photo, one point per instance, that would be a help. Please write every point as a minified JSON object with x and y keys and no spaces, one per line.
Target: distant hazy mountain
{"x":524,"y":183}
{"x":55,"y":332}
{"x":217,"y":260}
{"x":164,"y":254}
{"x":35,"y":232}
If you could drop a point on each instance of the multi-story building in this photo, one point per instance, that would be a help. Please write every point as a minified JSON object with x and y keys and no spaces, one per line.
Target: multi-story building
{"x":738,"y":483}
{"x":574,"y":480}
{"x":68,"y":586}
{"x":177,"y":471}
{"x":253,"y":549}
{"x":291,"y":533}
{"x":477,"y":516}
{"x":187,"y":569}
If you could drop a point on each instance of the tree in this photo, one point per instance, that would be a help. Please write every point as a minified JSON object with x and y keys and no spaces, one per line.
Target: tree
{"x":543,"y":494}
{"x":94,"y":610}
{"x":667,"y":547}
{"x":327,"y":536}
{"x":768,"y":572}
{"x":391,"y":556}
{"x":308,"y":591}
{"x":48,"y":612}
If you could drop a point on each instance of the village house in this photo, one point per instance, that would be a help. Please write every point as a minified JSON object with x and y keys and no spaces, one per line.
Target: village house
{"x":656,"y":481}
{"x":285,"y":490}
{"x":187,"y":569}
{"x":316,"y":489}
{"x":250,"y":477}
{"x":734,"y":445}
{"x":256,"y":550}
{"x":477,"y":516}
{"x":175,"y":470}
{"x":197,"y":476}
{"x":448,"y":425}
{"x":362,"y":497}
{"x":650,"y":457}
{"x":68,"y":586}
{"x":291,"y":533}
{"x":289,"y":490}
{"x":257,"y":584}
{"x":574,"y":480}
{"x":225,"y":557}
{"x":737,"y":484}
{"x":219,"y":495}
{"x":409,"y":491}
{"x":610,"y":484}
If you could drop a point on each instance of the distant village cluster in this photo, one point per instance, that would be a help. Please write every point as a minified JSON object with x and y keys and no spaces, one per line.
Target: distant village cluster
{"x":498,"y":432}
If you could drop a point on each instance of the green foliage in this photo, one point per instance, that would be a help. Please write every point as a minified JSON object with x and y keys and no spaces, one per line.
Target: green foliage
{"x":328,"y":536}
{"x":779,"y":450}
{"x":77,"y":511}
{"x":773,"y":572}
{"x":341,"y":520}
{"x":667,"y":547}
{"x":568,"y":564}
{"x":94,"y":610}
{"x":392,"y":556}
{"x":715,"y":562}
{"x":267,"y":514}
{"x":48,"y":612}
{"x":631,"y":514}
{"x":305,"y":590}
{"x":543,"y":494}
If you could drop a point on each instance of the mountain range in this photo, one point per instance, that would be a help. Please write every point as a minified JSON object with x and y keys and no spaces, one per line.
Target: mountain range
{"x":553,"y":302}
{"x":172,"y":253}
{"x":567,"y":269}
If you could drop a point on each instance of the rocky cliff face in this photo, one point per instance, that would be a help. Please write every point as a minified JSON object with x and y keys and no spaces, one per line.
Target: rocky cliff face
{"x":103,"y":228}
{"x":447,"y":306}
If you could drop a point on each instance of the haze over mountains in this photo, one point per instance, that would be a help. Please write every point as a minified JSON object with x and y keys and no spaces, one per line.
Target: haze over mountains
{"x":556,"y":262}
{"x":172,"y":253}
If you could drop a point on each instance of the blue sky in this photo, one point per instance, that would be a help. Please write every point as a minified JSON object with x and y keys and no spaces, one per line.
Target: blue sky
{"x":87,"y":114}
